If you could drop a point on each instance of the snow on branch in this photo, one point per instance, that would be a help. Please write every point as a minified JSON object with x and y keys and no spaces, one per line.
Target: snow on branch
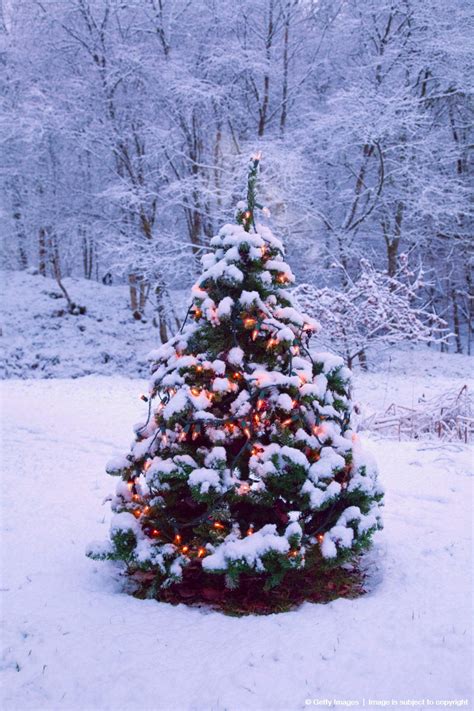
{"x":374,"y":309}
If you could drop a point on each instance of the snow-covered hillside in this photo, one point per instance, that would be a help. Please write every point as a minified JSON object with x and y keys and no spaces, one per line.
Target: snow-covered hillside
{"x":39,"y":343}
{"x":73,"y":640}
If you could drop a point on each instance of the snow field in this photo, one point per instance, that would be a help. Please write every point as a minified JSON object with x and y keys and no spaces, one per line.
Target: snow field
{"x":73,"y":640}
{"x":105,"y":341}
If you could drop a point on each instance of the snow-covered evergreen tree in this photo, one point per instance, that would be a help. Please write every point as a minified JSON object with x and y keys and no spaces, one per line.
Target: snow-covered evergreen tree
{"x":246,"y":464}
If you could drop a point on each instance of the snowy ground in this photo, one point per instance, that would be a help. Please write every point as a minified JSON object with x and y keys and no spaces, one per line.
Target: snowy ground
{"x":410,"y":376}
{"x":72,"y":640}
{"x":37,"y":342}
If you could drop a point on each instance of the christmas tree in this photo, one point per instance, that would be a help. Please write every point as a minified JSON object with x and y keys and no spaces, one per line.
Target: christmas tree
{"x":246,"y":467}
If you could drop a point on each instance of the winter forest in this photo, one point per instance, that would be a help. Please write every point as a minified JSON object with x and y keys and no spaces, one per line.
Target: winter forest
{"x":127,"y":127}
{"x":236,"y":352}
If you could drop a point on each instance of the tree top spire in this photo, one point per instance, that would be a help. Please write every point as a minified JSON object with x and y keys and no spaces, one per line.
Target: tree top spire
{"x":246,"y":213}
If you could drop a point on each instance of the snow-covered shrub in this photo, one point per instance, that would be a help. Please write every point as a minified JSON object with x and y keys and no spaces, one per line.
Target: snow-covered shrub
{"x":374,"y":309}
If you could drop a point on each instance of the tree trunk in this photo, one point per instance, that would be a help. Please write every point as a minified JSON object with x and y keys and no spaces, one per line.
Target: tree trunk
{"x":266,"y":79}
{"x":393,"y":241}
{"x":284,"y":97}
{"x":56,"y":266}
{"x":139,"y":290}
{"x":54,"y":255}
{"x":161,"y":313}
{"x":470,"y":307}
{"x":144,"y":291}
{"x":42,"y":251}
{"x":87,"y":255}
{"x":363,"y":360}
{"x":21,"y":237}
{"x":132,"y":282}
{"x":456,"y":321}
{"x":392,"y":256}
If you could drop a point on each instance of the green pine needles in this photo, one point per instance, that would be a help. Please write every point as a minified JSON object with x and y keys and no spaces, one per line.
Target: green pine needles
{"x":246,"y":467}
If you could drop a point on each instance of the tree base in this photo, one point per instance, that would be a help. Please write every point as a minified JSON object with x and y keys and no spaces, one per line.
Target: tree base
{"x":251,"y":598}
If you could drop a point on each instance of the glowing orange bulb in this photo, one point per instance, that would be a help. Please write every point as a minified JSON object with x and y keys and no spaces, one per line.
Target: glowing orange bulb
{"x":287,"y":422}
{"x":147,"y":464}
{"x":130,"y":485}
{"x":249,"y":530}
{"x":155,"y":532}
{"x":247,"y":431}
{"x":135,"y":497}
{"x":137,"y":513}
{"x":254,"y":335}
{"x":218,"y":525}
{"x":195,"y":391}
{"x":318,"y":430}
{"x":177,"y":539}
{"x":320,"y":538}
{"x":199,"y":368}
{"x":249,"y":322}
{"x":201,"y":552}
{"x":184,"y":549}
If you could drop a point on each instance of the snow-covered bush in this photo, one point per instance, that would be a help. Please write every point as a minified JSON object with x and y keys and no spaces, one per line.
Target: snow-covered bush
{"x":374,"y":309}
